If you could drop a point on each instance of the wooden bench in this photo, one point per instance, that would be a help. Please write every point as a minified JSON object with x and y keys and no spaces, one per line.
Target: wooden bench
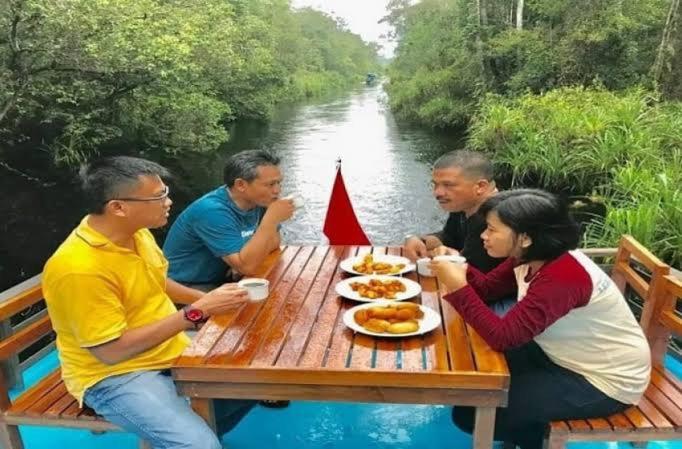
{"x":658,"y":416}
{"x":47,"y":403}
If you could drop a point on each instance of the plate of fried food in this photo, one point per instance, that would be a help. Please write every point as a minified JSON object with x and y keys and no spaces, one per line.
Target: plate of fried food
{"x":391,"y":319}
{"x":377,"y":287}
{"x":377,"y":264}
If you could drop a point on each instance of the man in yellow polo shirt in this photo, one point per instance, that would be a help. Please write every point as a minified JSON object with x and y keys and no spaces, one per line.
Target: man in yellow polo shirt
{"x":117,"y":329}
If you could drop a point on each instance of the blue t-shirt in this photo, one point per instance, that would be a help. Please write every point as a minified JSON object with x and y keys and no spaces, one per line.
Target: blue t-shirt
{"x":210,"y":228}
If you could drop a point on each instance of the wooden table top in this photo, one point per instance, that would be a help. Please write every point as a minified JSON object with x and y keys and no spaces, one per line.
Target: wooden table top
{"x":297,"y":337}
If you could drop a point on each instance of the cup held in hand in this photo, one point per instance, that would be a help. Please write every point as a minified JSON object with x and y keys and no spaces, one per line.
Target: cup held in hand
{"x":451,"y":258}
{"x":257,"y":288}
{"x":423,"y":267}
{"x":296,"y":199}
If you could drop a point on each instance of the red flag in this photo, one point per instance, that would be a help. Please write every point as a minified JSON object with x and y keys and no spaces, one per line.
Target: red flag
{"x":341,"y":225}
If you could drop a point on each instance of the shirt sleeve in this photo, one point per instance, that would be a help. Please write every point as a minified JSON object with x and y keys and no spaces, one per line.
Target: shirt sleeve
{"x":546,"y":301}
{"x":496,"y":284}
{"x":219,"y":232}
{"x":92,"y":308}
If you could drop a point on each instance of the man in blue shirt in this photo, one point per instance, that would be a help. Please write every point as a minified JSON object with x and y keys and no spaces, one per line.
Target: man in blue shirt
{"x":232,"y":228}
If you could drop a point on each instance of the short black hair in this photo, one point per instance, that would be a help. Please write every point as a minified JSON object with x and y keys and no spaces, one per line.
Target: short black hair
{"x":245,"y":165}
{"x":544,"y":217}
{"x":474,"y":164}
{"x":112,"y":177}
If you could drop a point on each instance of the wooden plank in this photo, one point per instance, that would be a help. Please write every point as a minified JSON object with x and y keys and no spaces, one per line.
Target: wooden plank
{"x":412,"y":350}
{"x":25,"y":338}
{"x":637,"y":418}
{"x":46,"y":401}
{"x":559,"y":427}
{"x":578,"y":425}
{"x":71,"y":411}
{"x":212,"y":332}
{"x":342,"y":338}
{"x":21,"y":300}
{"x":667,"y":388}
{"x":669,"y":376}
{"x":362,"y":351}
{"x":29,"y":396}
{"x":72,"y":423}
{"x":400,"y":395}
{"x":599,"y":425}
{"x":221,"y":352}
{"x":653,"y":414}
{"x":387,"y":350}
{"x":620,"y":423}
{"x":253,"y":335}
{"x":487,"y":360}
{"x":326,"y":327}
{"x":300,"y":333}
{"x":664,"y":405}
{"x":435,"y":344}
{"x":459,"y":347}
{"x":60,"y":406}
{"x":342,"y":376}
{"x":269,"y":350}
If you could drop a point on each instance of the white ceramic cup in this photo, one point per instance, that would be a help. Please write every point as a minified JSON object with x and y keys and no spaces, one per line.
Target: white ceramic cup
{"x":423,"y":267}
{"x":451,"y":258}
{"x":296,"y":199}
{"x":257,"y":288}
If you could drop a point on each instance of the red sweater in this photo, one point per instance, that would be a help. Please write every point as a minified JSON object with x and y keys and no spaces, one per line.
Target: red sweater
{"x":554,"y":290}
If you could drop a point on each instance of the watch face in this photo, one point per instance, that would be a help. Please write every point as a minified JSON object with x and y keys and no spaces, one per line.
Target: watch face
{"x":194,"y":315}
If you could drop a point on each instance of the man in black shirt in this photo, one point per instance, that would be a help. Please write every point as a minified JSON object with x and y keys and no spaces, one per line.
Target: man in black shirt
{"x":462,"y":181}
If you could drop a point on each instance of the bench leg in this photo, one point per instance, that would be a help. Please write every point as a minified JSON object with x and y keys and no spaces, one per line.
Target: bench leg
{"x":9,"y":437}
{"x":484,"y":427}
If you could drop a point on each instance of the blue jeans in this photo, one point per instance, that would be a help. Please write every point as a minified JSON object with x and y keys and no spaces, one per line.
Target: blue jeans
{"x":502,"y":306}
{"x":147,"y":404}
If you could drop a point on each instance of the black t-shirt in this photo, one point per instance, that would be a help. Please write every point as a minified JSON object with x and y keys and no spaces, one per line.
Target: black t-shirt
{"x":464,"y":235}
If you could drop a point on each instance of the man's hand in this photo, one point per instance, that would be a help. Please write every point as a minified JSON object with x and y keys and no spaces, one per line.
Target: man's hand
{"x":443,"y":250}
{"x":415,"y":248}
{"x":222,"y":299}
{"x":452,"y":275}
{"x":279,"y":211}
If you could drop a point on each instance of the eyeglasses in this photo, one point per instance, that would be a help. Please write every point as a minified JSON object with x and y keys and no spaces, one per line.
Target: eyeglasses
{"x":162,"y":196}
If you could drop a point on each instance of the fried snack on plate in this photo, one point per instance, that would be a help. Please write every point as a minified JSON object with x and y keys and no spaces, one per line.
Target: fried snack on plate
{"x":394,"y":319}
{"x":368,"y":266}
{"x":376,"y":288}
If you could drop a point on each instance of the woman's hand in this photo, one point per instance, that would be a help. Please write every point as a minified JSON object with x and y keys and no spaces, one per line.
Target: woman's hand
{"x":452,"y":275}
{"x":443,"y":250}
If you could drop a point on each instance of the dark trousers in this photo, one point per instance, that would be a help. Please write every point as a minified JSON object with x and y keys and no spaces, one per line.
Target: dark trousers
{"x":539,"y":392}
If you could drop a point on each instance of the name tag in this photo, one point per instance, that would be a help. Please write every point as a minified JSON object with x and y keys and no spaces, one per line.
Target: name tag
{"x":248,"y":233}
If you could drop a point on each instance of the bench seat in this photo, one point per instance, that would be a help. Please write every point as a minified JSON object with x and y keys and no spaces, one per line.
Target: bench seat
{"x":658,"y":413}
{"x":48,"y":403}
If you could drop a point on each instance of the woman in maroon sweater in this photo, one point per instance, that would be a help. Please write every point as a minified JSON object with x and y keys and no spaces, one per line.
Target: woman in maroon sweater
{"x":573,"y":346}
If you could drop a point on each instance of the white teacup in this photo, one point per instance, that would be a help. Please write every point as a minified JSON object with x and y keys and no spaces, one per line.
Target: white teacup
{"x":296,"y":199}
{"x":451,"y":258}
{"x":257,"y":288}
{"x":423,"y":267}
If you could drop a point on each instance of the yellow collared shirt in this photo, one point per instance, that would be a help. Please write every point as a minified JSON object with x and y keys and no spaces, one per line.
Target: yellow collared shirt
{"x":95,"y":291}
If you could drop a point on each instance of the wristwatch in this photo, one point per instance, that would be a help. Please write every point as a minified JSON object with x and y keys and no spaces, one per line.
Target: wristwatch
{"x":194,"y":315}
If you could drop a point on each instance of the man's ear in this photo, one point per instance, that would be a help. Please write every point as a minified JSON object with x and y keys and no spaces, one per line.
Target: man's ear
{"x":482,"y":186}
{"x":240,"y":184}
{"x":116,"y":208}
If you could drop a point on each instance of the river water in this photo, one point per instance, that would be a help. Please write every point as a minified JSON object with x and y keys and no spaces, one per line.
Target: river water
{"x":385,"y":166}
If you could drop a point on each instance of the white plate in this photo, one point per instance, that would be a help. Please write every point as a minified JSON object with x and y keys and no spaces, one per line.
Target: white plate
{"x":343,"y":288}
{"x":429,"y":322}
{"x":347,"y":264}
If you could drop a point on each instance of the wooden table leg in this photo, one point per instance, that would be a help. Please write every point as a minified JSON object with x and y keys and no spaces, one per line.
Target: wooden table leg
{"x":204,"y":408}
{"x":484,"y":427}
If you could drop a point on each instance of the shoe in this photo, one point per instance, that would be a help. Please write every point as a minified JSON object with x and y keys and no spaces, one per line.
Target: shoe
{"x":274,"y":404}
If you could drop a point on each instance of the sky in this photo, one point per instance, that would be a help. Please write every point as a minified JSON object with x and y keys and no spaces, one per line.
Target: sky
{"x":361,"y":15}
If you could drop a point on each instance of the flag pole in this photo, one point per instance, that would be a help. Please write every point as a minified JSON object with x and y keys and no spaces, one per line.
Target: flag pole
{"x":338,"y":163}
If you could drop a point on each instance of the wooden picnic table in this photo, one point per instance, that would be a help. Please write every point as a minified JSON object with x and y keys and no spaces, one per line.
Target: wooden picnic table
{"x":294,"y":345}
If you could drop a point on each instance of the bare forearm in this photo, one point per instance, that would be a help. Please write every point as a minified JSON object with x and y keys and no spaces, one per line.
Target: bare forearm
{"x":141,"y":339}
{"x":181,"y":294}
{"x":256,"y":249}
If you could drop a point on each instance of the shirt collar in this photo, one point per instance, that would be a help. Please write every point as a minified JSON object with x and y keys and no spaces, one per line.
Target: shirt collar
{"x":97,"y":240}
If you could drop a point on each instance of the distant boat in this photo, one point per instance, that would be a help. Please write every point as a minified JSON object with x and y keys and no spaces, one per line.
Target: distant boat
{"x":371,"y":78}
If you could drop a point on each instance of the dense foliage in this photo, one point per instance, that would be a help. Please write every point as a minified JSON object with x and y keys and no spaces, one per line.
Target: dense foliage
{"x":78,"y":75}
{"x":452,"y":52}
{"x":625,"y":149}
